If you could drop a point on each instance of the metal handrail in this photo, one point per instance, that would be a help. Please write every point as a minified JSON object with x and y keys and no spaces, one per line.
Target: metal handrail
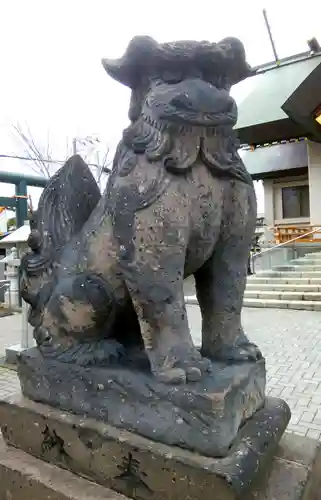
{"x":285,"y":242}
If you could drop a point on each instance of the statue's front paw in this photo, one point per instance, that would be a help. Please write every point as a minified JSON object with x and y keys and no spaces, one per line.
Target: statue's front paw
{"x":182,"y":364}
{"x":171,"y":376}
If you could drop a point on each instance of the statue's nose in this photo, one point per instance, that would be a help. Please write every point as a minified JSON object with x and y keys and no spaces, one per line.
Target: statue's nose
{"x":191,"y":96}
{"x":200,"y":96}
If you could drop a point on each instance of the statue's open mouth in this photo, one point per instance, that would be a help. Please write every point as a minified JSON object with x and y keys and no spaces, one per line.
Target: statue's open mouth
{"x":195,"y":102}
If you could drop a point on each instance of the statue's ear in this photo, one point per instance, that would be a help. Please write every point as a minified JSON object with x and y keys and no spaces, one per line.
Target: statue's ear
{"x":234,"y":59}
{"x":65,"y":205}
{"x":135,"y":63}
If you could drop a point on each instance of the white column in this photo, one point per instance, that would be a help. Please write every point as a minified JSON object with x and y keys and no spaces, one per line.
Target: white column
{"x":268,"y":209}
{"x":314,"y":163}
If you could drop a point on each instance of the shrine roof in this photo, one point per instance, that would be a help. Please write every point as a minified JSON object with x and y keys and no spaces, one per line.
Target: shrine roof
{"x":263,"y":113}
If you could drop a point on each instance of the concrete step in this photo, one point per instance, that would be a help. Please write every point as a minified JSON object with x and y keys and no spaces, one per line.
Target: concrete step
{"x":312,"y":255}
{"x":259,"y":279}
{"x":307,"y":305}
{"x":284,"y":304}
{"x":301,"y":267}
{"x":289,"y":274}
{"x":282,"y":295}
{"x":304,"y":261}
{"x":284,"y":287}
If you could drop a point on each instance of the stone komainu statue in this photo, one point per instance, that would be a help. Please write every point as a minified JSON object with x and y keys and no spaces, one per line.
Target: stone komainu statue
{"x":104,"y":277}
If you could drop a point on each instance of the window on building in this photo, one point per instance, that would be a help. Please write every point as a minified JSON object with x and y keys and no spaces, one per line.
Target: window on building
{"x":295,"y":202}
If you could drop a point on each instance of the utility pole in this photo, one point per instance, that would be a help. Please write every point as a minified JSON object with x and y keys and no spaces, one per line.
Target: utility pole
{"x":74,"y":146}
{"x":270,"y":35}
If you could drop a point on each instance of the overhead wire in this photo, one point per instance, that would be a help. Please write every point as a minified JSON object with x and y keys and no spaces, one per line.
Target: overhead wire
{"x":25,"y":158}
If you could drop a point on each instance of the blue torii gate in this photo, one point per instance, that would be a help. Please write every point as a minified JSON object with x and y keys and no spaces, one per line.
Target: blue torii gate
{"x":19,"y":201}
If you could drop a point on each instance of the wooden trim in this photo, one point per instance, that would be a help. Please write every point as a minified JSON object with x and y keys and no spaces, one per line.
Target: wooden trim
{"x":291,"y":183}
{"x":289,"y":178}
{"x":285,"y":233}
{"x":280,"y":174}
{"x":302,"y":221}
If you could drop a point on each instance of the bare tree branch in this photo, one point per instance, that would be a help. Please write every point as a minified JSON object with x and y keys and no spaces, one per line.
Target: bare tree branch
{"x":101,"y":168}
{"x":41,"y":158}
{"x":32,"y":151}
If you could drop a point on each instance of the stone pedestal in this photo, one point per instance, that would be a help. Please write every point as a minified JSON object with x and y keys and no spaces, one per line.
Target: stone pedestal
{"x":203,"y":416}
{"x":138,"y":467}
{"x":295,"y":474}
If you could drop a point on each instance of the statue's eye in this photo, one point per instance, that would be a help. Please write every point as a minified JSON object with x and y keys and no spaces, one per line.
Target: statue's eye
{"x":216,"y":80}
{"x":208,"y":76}
{"x":172,"y":76}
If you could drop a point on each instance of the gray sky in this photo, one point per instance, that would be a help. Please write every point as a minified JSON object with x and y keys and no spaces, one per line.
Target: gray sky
{"x":52,"y":77}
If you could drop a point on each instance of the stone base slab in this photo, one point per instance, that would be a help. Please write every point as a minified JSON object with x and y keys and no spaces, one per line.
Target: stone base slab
{"x":12,"y":353}
{"x":203,"y":416}
{"x":295,"y":474}
{"x":23,"y":477}
{"x":138,"y":467}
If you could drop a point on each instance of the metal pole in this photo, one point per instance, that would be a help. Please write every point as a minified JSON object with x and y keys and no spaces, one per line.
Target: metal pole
{"x":270,"y":35}
{"x":15,"y":178}
{"x":22,"y":203}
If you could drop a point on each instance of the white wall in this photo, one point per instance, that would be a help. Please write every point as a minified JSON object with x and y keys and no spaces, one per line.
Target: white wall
{"x":4,"y":217}
{"x":314,"y":158}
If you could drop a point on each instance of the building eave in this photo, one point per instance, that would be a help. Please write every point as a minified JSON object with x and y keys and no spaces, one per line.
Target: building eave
{"x":281,"y":103}
{"x":267,"y":162}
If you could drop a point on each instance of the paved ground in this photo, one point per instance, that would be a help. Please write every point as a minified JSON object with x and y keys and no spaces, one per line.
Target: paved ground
{"x":290,"y":340}
{"x":10,"y":331}
{"x":291,"y":343}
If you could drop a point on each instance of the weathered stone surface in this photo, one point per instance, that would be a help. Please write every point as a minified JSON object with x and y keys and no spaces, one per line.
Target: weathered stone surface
{"x":203,"y":417}
{"x":104,"y":280}
{"x":24,"y":477}
{"x":139,"y":467}
{"x":179,"y":202}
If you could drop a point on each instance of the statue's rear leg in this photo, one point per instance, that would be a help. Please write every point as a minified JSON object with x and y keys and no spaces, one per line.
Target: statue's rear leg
{"x":221,"y":282}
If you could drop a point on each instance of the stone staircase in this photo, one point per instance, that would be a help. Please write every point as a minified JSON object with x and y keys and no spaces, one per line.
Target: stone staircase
{"x":296,"y":285}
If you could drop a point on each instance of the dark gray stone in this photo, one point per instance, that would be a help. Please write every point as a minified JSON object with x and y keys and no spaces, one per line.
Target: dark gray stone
{"x":204,"y":417}
{"x":179,"y":202}
{"x":23,"y":476}
{"x":141,"y":468}
{"x":104,"y":277}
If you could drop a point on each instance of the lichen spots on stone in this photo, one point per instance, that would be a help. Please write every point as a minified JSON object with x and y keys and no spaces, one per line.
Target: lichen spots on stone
{"x":78,"y":314}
